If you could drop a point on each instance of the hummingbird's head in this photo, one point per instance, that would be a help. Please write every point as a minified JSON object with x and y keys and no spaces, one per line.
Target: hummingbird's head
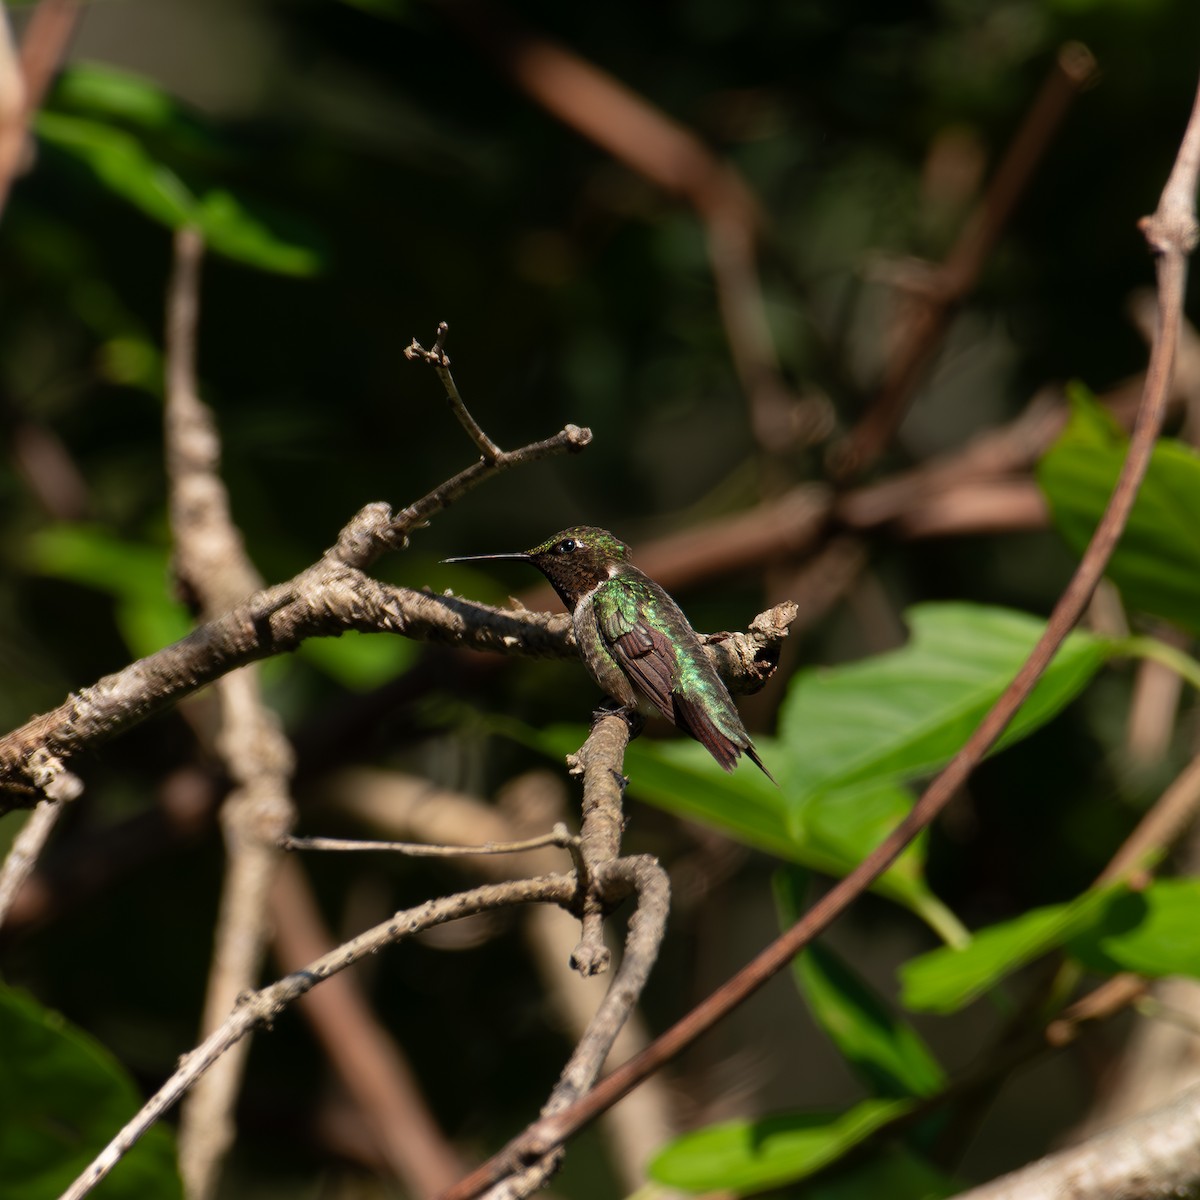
{"x":577,"y":559}
{"x":574,"y":561}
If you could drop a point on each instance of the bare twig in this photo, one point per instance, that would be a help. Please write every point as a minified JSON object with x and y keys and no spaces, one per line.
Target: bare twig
{"x":642,"y":875}
{"x":558,"y":836}
{"x":262,"y":1007}
{"x":25,"y":851}
{"x":1171,"y":233}
{"x":439,"y":360}
{"x":1166,"y":822}
{"x":571,"y":440}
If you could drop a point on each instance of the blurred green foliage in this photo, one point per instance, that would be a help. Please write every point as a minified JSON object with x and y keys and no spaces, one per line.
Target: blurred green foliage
{"x":62,"y":1097}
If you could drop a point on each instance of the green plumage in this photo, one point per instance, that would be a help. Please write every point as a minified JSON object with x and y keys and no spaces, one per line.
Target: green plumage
{"x":636,"y":642}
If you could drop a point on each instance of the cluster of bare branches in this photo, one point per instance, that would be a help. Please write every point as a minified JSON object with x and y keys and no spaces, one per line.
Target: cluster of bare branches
{"x":240,"y":622}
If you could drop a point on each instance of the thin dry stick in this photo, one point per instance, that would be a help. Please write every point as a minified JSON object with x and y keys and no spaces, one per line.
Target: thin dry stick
{"x":26,"y":849}
{"x":263,"y":1006}
{"x":558,"y":836}
{"x":1171,"y":233}
{"x":644,"y":876}
{"x":1164,"y":824}
{"x":49,"y":777}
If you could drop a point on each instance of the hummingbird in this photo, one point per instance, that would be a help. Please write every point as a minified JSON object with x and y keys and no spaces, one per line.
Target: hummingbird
{"x":635,"y":641}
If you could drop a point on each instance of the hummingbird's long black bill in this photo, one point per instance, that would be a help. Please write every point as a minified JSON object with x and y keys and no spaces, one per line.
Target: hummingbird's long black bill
{"x":520,"y":556}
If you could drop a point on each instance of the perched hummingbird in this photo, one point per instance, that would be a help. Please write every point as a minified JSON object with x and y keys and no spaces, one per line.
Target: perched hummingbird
{"x":635,"y":641}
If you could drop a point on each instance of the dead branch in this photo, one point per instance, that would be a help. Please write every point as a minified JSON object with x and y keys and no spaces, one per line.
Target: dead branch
{"x":214,"y":572}
{"x":323,"y":601}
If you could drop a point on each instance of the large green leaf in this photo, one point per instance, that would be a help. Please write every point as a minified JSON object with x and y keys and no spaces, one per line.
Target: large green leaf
{"x":748,"y":1156}
{"x":62,"y":1098}
{"x":884,"y":1050}
{"x":1153,"y":932}
{"x":1156,"y":564}
{"x":902,"y":715}
{"x":948,"y":978}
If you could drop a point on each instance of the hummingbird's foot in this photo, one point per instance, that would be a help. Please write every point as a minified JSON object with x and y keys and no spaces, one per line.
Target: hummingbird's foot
{"x":630,"y":715}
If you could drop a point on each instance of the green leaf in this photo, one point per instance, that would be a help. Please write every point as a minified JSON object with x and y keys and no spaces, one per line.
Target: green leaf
{"x":904,"y":714}
{"x":1156,"y":564}
{"x":62,"y":1098}
{"x":748,"y":1156}
{"x":231,"y":228}
{"x":885,"y":1051}
{"x":1154,"y":932}
{"x":947,"y":978}
{"x":119,"y":162}
{"x":105,"y":92}
{"x":135,"y":574}
{"x":360,"y":661}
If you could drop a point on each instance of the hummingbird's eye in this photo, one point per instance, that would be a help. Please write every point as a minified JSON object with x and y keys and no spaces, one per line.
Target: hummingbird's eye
{"x":567,"y":545}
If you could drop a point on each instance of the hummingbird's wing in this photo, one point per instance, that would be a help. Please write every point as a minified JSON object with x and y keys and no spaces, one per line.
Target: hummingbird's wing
{"x":629,"y":613}
{"x":643,"y":652}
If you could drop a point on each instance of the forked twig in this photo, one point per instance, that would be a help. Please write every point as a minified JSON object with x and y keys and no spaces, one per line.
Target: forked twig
{"x":439,"y":360}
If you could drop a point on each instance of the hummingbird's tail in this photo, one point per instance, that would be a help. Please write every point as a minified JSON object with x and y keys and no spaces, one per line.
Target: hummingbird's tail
{"x":695,"y":719}
{"x":752,"y":755}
